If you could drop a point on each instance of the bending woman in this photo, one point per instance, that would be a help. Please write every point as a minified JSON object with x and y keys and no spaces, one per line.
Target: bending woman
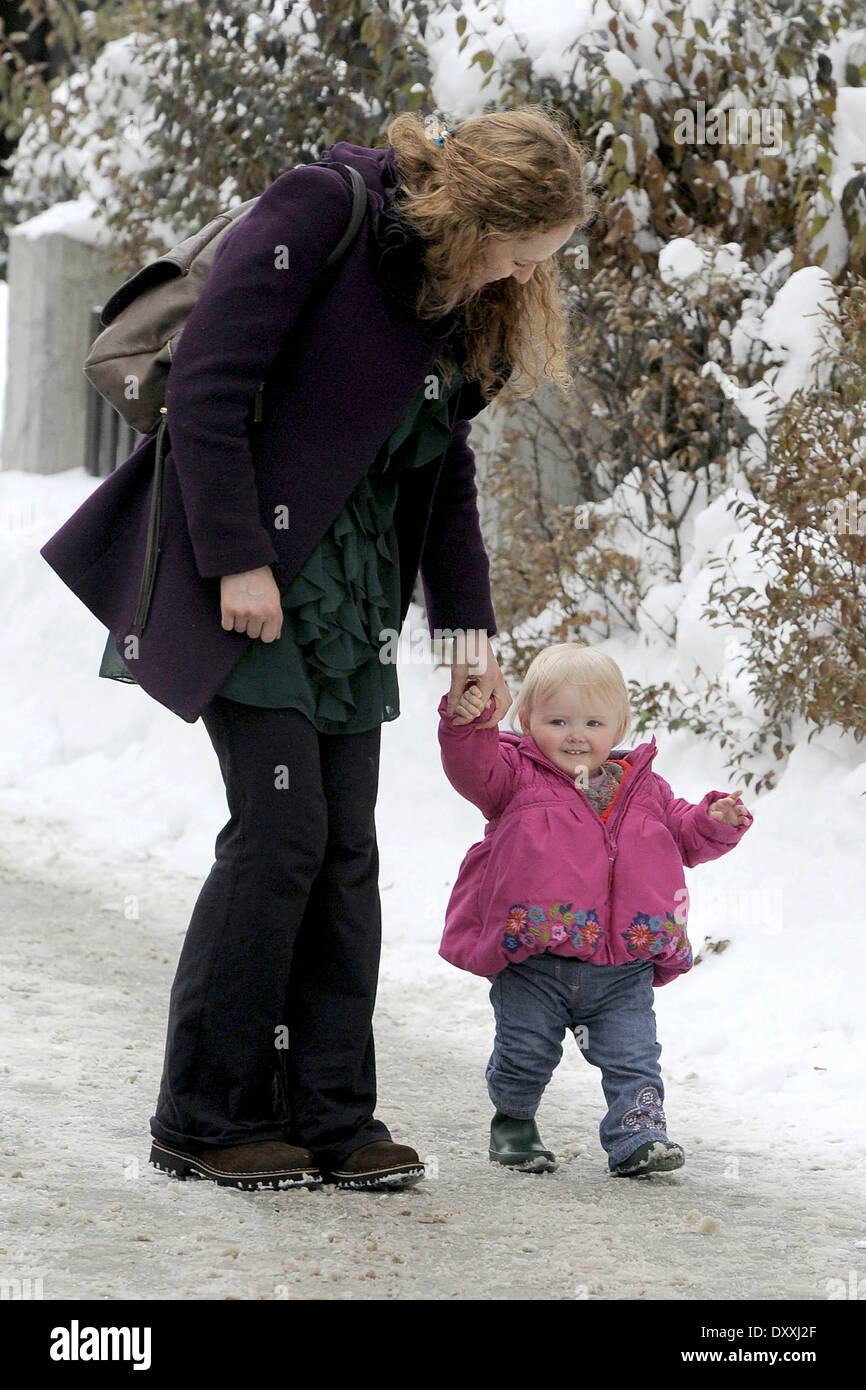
{"x":316,"y":518}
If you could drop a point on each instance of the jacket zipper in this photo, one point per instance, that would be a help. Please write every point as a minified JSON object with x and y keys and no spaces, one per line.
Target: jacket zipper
{"x":620,"y":811}
{"x":608,"y":834}
{"x":611,"y":860}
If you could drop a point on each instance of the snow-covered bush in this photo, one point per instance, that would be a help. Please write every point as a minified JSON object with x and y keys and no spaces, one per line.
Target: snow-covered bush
{"x":742,"y":120}
{"x":61,"y":37}
{"x":203,"y":107}
{"x":728,"y":160}
{"x":647,"y":429}
{"x":806,"y":620}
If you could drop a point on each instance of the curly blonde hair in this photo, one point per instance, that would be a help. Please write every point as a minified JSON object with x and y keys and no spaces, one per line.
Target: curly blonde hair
{"x":501,"y":176}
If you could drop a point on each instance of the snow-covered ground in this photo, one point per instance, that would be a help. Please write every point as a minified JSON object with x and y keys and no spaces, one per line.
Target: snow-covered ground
{"x":765,"y":1209}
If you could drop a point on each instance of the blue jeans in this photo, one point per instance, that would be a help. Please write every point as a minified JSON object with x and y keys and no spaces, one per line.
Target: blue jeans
{"x":609,"y":1009}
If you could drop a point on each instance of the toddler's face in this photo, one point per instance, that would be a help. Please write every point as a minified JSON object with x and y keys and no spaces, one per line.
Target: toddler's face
{"x":572,"y":727}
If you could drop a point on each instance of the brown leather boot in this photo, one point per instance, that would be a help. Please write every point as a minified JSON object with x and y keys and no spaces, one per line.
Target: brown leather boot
{"x":378,"y":1165}
{"x":252,"y":1167}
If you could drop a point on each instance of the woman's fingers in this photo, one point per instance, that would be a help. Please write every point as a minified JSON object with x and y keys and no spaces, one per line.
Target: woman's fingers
{"x":499,"y":709}
{"x":251,"y":603}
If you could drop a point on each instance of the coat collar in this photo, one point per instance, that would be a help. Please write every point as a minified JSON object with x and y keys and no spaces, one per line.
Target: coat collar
{"x":400,"y":251}
{"x":400,"y":260}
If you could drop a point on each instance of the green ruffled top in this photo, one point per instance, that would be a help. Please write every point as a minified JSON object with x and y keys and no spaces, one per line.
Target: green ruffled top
{"x":326,"y":660}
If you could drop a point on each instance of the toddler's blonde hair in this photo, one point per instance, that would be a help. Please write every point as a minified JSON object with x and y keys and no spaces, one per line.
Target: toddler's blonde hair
{"x":574,"y":664}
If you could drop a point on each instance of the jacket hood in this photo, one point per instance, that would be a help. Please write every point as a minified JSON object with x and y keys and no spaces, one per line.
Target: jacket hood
{"x":376,"y":165}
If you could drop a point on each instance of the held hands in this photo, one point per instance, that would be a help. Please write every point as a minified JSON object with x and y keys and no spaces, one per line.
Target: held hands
{"x":729,"y":810}
{"x":250,"y":603}
{"x":471,"y":689}
{"x":470,"y":704}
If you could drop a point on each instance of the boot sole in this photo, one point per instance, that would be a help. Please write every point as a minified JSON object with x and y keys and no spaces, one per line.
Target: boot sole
{"x":533,"y":1163}
{"x":179,"y":1165}
{"x":661,"y":1163}
{"x":379,"y":1177}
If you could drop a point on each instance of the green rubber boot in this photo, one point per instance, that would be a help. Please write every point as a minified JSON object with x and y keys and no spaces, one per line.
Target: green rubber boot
{"x":517,"y":1144}
{"x":656,"y":1156}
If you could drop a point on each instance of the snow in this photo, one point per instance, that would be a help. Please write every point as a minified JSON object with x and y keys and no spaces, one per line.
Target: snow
{"x":96,"y":759}
{"x":621,"y":67}
{"x":755,"y":1213}
{"x":77,"y":218}
{"x":728,"y":385}
{"x":510,"y":29}
{"x":680,"y":259}
{"x":796,"y":330}
{"x":4,"y":329}
{"x":109,"y":806}
{"x":117,"y":82}
{"x":794,"y":326}
{"x":850,"y":125}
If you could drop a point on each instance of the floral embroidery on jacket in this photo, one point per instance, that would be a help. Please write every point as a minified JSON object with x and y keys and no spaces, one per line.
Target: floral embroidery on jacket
{"x":530,"y":926}
{"x":648,"y":936}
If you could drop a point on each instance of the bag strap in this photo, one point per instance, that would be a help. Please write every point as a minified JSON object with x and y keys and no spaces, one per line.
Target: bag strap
{"x":152,"y":549}
{"x":359,"y":207}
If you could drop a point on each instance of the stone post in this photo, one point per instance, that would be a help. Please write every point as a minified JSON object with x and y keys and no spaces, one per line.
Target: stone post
{"x":57,"y":274}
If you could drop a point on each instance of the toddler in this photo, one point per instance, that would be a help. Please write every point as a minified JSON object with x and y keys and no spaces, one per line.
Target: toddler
{"x":574,"y":903}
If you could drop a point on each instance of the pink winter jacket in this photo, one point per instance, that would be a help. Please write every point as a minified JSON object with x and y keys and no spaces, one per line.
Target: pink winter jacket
{"x":552,"y":874}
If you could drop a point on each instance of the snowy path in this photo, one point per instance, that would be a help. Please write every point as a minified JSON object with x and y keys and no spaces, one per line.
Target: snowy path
{"x":82,"y":1011}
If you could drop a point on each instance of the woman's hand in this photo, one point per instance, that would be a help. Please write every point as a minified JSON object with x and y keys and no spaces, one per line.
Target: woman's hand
{"x":250,"y":603}
{"x":473,"y":656}
{"x":729,"y":810}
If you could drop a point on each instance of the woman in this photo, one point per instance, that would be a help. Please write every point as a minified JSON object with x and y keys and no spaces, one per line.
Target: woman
{"x":448,"y":287}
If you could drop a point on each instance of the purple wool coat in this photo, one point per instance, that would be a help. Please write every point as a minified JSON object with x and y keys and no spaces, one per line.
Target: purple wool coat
{"x":340,"y":368}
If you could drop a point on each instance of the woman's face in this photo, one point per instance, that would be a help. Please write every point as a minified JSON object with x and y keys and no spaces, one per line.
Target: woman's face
{"x":520,"y":257}
{"x":573,"y":726}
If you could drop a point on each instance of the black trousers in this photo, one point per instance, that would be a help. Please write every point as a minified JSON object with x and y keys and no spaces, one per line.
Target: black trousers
{"x":277,"y":975}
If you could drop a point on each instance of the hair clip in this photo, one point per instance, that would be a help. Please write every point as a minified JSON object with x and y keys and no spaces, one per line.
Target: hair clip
{"x":440,"y":139}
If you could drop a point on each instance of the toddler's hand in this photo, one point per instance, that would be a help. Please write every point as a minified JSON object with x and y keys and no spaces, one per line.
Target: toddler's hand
{"x":730,"y":810}
{"x":470,"y":704}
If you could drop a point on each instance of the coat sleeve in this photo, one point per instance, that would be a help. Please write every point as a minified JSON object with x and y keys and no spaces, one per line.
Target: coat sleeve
{"x":477,"y":763}
{"x":698,"y":836}
{"x":455,"y":570}
{"x":264,"y":271}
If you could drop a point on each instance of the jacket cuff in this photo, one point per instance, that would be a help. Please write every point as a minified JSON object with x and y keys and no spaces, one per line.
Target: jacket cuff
{"x":663,"y":973}
{"x":440,"y":616}
{"x":241,"y":562}
{"x":448,"y":726}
